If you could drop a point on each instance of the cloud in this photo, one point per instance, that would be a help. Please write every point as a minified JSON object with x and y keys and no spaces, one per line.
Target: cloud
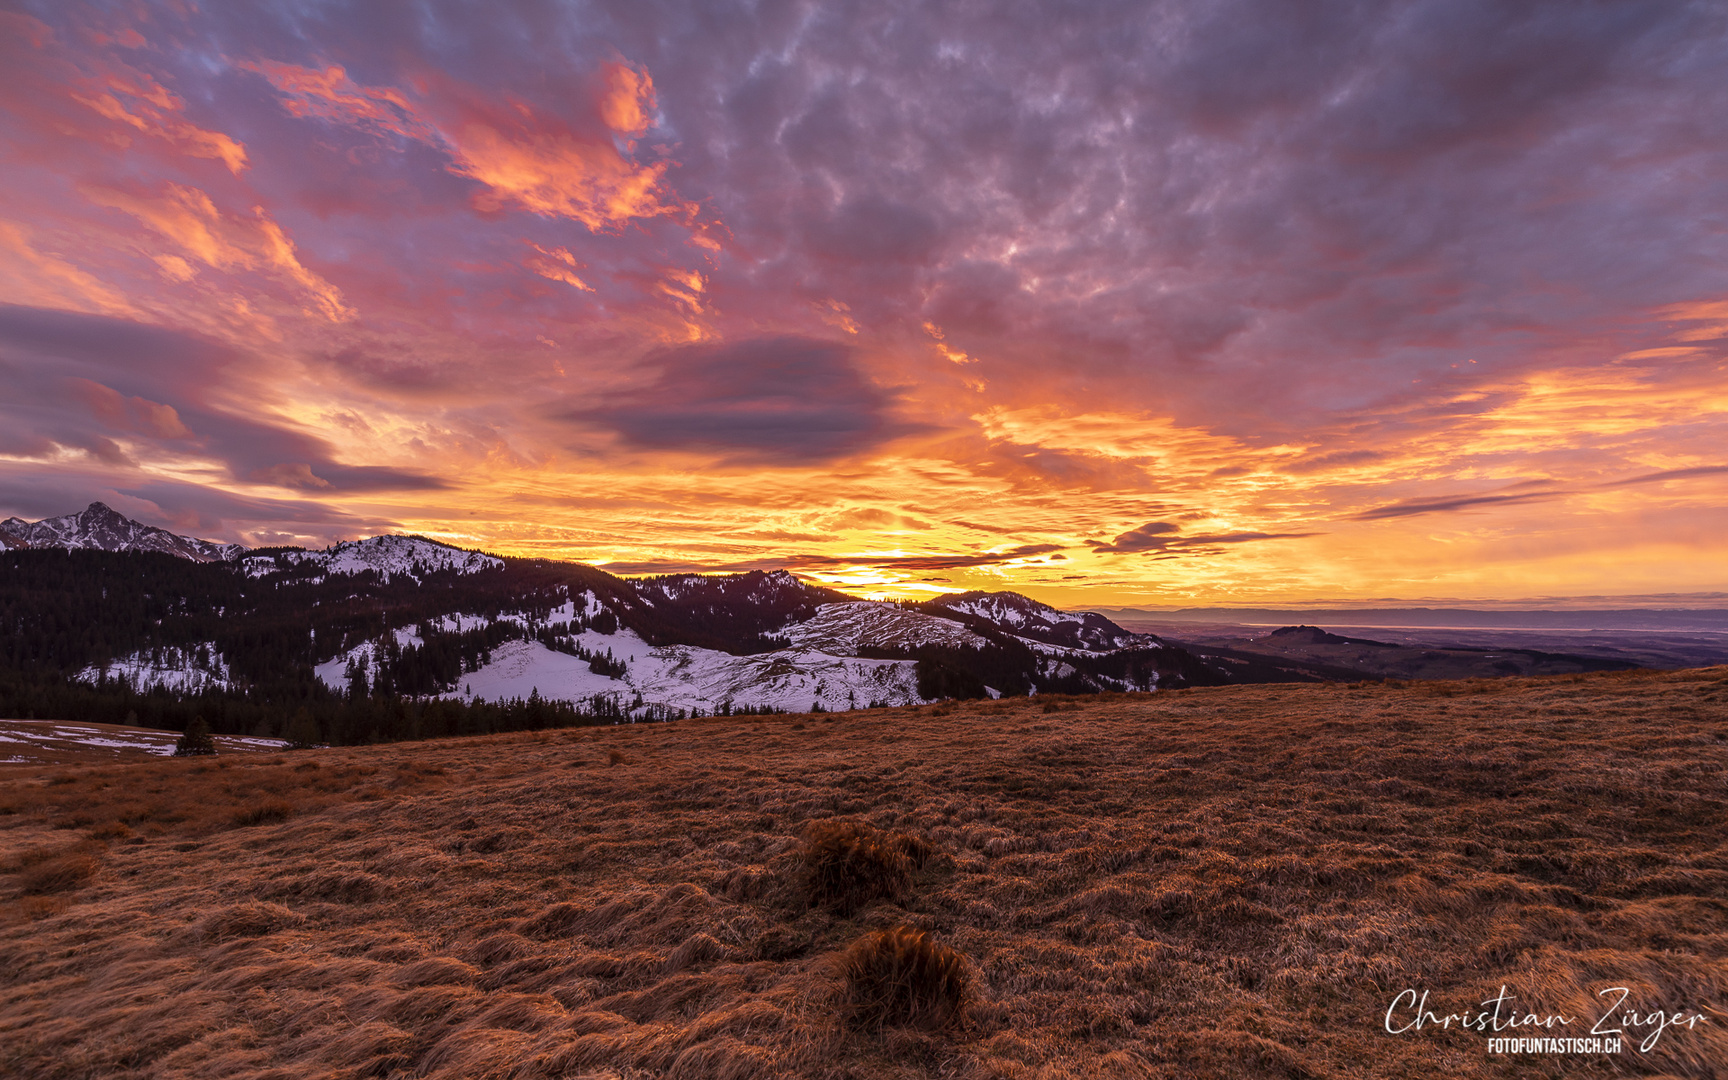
{"x":138,"y":101}
{"x":1413,"y":507}
{"x":1152,"y":536}
{"x":835,"y":562}
{"x":188,"y":217}
{"x":1671,"y":474}
{"x":31,"y":276}
{"x":186,"y":508}
{"x":790,"y":400}
{"x":523,"y":158}
{"x":1258,"y":261}
{"x":1159,"y":536}
{"x":83,"y":381}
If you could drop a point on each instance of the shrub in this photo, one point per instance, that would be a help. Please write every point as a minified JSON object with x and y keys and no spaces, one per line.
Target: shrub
{"x":196,"y":742}
{"x":902,"y":976}
{"x":850,"y":863}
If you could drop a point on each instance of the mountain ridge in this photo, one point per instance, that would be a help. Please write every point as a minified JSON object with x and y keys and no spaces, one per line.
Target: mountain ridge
{"x":102,"y":528}
{"x":409,"y":617}
{"x":103,"y":601}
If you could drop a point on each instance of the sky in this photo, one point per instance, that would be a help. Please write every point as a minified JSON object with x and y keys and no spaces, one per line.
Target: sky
{"x":1112,"y":304}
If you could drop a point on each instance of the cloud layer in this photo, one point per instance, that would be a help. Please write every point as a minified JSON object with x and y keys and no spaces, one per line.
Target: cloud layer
{"x":1216,"y":300}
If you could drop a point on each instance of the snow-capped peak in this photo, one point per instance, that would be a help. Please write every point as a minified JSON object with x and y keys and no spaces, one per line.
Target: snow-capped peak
{"x":100,"y":527}
{"x":387,"y":556}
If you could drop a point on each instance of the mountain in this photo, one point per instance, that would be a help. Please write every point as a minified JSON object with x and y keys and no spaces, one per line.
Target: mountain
{"x":99,"y":601}
{"x":1035,"y":622}
{"x":1317,"y":652}
{"x":1289,"y":636}
{"x":101,"y":528}
{"x":394,"y":636}
{"x":411,"y":557}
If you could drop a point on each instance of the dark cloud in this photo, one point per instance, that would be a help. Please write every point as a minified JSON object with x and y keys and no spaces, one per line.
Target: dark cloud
{"x":188,"y":509}
{"x":1412,"y":507}
{"x":836,"y":562}
{"x":1332,"y":460}
{"x":1160,"y":536}
{"x":1670,"y":474}
{"x":874,"y":228}
{"x":776,"y":399}
{"x":1152,"y":536}
{"x":1543,"y":490}
{"x":78,"y":381}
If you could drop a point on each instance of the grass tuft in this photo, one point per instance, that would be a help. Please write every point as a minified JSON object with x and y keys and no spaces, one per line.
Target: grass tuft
{"x":849,"y":863}
{"x":59,"y":872}
{"x":262,"y":813}
{"x":903,"y":977}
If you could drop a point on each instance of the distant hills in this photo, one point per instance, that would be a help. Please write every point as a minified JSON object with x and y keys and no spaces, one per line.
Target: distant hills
{"x":98,"y":600}
{"x":1690,"y":616}
{"x":108,"y":602}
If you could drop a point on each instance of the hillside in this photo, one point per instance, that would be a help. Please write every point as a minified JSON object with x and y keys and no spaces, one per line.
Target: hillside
{"x":1226,"y":882}
{"x":403,"y":637}
{"x":107,"y":620}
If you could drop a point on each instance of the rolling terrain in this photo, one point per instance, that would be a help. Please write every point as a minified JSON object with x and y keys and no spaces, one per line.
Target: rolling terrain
{"x":1322,"y":653}
{"x":1213,"y":882}
{"x":107,"y":620}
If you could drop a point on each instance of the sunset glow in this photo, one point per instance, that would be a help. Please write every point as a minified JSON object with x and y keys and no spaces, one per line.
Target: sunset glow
{"x":1192,"y":304}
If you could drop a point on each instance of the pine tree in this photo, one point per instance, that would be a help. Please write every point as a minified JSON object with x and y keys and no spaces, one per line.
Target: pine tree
{"x":302,"y":730}
{"x":196,"y":741}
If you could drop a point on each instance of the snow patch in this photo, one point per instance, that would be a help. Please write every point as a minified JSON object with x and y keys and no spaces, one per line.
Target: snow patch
{"x":189,"y":669}
{"x":388,"y":556}
{"x":674,"y":676}
{"x":841,"y":628}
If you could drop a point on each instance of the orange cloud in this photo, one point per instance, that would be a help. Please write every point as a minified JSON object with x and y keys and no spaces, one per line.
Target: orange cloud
{"x":187,"y":217}
{"x":557,"y":174}
{"x":329,"y":94}
{"x":558,"y":265}
{"x":150,"y":108}
{"x":29,"y":275}
{"x":628,"y":106}
{"x":521,"y":158}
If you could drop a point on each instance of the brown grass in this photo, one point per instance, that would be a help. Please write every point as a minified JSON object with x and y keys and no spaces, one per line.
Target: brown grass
{"x":903,"y":976}
{"x":849,"y":864}
{"x":56,"y":870}
{"x":263,"y":812}
{"x":1206,"y":883}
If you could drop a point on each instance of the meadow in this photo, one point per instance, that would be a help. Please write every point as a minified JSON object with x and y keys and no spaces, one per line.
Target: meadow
{"x":1231,"y":882}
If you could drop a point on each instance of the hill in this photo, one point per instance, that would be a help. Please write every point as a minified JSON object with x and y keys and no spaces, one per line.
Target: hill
{"x":1214,"y":882}
{"x":403,"y":637}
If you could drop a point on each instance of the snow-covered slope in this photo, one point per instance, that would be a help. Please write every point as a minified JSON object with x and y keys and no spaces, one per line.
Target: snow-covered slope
{"x":684,"y":677}
{"x":841,"y":628}
{"x":411,"y":557}
{"x":1032,"y":621}
{"x":186,"y":670}
{"x":97,"y":526}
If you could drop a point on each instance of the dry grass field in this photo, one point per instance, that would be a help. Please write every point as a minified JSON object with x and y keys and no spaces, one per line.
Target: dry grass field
{"x":1205,"y":883}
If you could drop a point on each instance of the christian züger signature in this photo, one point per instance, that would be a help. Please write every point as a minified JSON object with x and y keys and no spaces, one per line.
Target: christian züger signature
{"x":1409,"y":1012}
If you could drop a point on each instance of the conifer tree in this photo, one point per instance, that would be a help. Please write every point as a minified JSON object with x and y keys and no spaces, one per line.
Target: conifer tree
{"x":196,"y":741}
{"x":302,"y":730}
